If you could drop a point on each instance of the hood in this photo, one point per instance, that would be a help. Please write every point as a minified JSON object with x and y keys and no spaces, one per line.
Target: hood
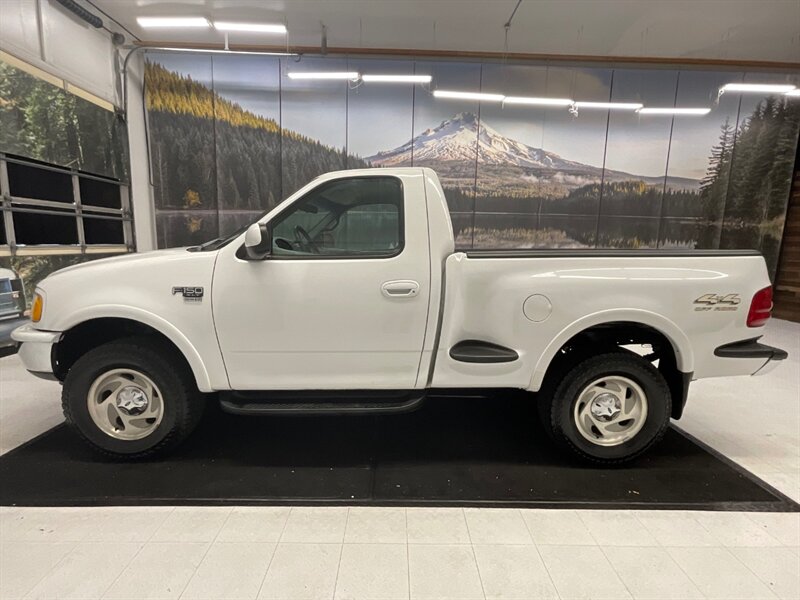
{"x":124,"y":261}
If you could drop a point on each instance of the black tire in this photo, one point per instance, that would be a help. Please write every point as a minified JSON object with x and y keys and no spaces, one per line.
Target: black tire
{"x":557,"y":406}
{"x":183,"y":404}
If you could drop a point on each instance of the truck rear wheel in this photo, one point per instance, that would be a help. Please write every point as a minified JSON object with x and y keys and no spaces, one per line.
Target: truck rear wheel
{"x":131,"y":399}
{"x":608,"y":409}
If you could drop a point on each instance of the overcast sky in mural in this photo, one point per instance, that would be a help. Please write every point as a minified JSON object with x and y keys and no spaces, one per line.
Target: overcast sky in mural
{"x":376,"y":117}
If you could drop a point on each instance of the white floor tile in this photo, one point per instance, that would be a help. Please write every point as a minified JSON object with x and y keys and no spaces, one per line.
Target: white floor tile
{"x":87,"y":571}
{"x":129,"y":524}
{"x":159,"y":570}
{"x":719,"y":574}
{"x":376,"y":525}
{"x":49,"y":524}
{"x":443,"y":572}
{"x":513,"y":571}
{"x":437,"y":526}
{"x":651,"y":574}
{"x":582,"y":572}
{"x":376,"y":571}
{"x":735,"y":529}
{"x":560,"y":527}
{"x":230,"y":571}
{"x":315,"y":524}
{"x":302,"y":571}
{"x":617,"y":528}
{"x":192,"y":524}
{"x":777,"y":568}
{"x":496,"y":526}
{"x":674,"y":528}
{"x":254,"y":524}
{"x":784,"y":527}
{"x":24,"y":564}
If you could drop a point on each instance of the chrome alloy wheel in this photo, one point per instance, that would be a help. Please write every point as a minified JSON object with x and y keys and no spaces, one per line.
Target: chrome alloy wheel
{"x":611,"y":410}
{"x":125,"y":404}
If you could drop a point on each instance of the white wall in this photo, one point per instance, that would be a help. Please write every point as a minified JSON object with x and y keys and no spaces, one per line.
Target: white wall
{"x":141,"y":189}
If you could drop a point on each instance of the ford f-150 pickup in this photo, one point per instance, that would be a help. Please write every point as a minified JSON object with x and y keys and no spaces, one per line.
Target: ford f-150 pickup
{"x":349,"y":297}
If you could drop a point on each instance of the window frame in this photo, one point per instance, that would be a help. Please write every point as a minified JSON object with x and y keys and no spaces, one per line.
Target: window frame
{"x":76,"y":210}
{"x":401,"y":222}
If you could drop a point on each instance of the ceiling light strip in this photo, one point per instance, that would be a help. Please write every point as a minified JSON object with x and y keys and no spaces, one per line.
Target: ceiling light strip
{"x":174,"y":22}
{"x":455,"y":95}
{"x":251,"y":27}
{"x":396,"y":78}
{"x":610,"y":105}
{"x":674,"y":111}
{"x":766,"y":88}
{"x":538,"y":101}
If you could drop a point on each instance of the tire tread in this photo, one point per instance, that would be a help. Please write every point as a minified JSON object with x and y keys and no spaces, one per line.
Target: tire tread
{"x":144,"y":349}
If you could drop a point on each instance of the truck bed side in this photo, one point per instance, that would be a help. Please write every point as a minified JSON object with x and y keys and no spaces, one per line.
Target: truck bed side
{"x":488,"y":294}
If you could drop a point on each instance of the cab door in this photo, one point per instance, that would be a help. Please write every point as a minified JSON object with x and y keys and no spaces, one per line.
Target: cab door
{"x":342,"y":300}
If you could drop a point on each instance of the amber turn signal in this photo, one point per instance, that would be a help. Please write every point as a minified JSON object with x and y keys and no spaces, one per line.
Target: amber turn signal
{"x":37,"y":308}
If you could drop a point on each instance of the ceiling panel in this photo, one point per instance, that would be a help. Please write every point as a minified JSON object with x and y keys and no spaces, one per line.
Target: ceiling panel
{"x":711,"y":29}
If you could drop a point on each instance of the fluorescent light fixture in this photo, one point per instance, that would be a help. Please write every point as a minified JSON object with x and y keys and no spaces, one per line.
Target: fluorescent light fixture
{"x":255,"y":27}
{"x":674,"y":111}
{"x":767,"y":88}
{"x":349,"y":75}
{"x":795,"y":92}
{"x":538,"y":101}
{"x":468,"y":96}
{"x":397,"y":78}
{"x":610,"y":105}
{"x":176,"y":22}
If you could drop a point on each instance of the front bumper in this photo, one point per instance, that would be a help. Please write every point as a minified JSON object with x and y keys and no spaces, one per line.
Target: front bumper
{"x":753,"y":349}
{"x":36,"y":349}
{"x":7,"y":345}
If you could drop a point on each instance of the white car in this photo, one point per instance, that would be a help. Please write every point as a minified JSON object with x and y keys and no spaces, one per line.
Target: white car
{"x":349,"y":297}
{"x":12,"y":310}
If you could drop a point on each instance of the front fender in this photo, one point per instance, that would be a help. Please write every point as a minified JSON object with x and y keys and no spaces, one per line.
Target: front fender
{"x":189,"y":351}
{"x":684,"y":354}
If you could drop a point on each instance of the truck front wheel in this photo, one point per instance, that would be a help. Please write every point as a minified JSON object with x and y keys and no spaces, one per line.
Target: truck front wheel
{"x":609,"y":409}
{"x":131,"y":399}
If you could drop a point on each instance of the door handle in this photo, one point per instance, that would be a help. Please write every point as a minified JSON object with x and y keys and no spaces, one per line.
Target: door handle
{"x":400,"y":288}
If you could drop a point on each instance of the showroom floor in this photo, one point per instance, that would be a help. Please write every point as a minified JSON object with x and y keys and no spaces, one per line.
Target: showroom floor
{"x":339,"y":552}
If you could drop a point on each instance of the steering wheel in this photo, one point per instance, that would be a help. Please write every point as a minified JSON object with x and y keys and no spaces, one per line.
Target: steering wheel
{"x":299,"y":232}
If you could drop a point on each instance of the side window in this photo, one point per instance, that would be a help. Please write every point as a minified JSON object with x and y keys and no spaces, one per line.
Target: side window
{"x":362,"y":216}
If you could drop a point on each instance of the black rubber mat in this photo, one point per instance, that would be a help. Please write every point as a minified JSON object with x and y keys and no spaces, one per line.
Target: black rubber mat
{"x":454,"y":451}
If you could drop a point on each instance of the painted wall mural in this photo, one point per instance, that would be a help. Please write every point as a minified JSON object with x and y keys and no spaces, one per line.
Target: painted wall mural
{"x":233,"y":135}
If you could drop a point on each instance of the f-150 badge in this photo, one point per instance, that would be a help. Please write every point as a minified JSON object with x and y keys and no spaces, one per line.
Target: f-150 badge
{"x":189,"y":293}
{"x":717,"y":302}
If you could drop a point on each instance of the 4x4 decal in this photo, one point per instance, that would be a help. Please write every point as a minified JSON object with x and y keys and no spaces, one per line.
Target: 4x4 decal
{"x":717,"y":302}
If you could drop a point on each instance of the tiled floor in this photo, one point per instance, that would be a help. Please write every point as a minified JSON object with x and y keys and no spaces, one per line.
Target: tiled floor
{"x":384,"y":553}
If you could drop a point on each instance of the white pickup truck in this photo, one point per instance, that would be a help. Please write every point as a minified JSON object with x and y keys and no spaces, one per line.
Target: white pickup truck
{"x":349,"y":297}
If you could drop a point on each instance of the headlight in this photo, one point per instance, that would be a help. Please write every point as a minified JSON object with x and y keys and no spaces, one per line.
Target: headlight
{"x":37,"y":308}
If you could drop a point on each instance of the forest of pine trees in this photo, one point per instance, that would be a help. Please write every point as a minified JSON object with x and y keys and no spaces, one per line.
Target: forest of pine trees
{"x":41,"y":121}
{"x":746,"y":187}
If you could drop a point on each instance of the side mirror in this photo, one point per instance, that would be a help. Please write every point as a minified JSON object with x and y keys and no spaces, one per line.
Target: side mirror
{"x":258,"y":241}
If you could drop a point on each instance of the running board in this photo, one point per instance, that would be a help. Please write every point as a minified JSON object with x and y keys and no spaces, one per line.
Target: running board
{"x":357,"y":402}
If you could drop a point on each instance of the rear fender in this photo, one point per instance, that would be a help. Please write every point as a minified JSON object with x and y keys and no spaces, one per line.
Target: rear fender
{"x":684,"y":355}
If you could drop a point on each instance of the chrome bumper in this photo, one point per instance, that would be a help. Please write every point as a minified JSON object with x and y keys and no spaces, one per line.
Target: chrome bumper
{"x":36,"y":349}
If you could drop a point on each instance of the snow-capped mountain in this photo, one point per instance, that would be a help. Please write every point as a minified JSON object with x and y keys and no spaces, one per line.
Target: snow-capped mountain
{"x":454,"y":141}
